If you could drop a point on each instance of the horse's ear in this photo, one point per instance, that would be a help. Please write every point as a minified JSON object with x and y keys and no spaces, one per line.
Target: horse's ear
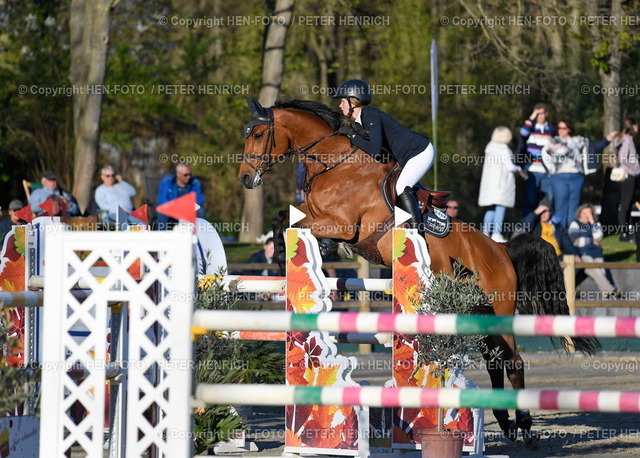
{"x":251,"y":103}
{"x":258,"y":110}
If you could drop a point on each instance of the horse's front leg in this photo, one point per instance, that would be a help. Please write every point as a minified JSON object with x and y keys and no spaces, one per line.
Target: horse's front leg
{"x":279,"y":224}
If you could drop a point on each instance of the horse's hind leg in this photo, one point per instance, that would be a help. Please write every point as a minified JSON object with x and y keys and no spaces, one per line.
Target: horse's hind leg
{"x":514,"y":367}
{"x":495,"y":368}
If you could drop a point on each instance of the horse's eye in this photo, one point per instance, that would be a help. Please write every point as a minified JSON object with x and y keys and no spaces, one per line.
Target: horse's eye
{"x":257,"y":136}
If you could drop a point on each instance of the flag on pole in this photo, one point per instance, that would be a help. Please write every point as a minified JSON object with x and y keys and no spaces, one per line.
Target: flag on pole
{"x":183,"y":208}
{"x":434,"y":108}
{"x":25,"y":214}
{"x":141,"y":213}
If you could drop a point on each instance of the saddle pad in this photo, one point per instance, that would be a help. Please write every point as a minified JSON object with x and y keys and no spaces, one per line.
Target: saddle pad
{"x":436,"y":223}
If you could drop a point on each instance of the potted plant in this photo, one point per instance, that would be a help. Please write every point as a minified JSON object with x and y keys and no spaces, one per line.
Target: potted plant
{"x":451,"y":294}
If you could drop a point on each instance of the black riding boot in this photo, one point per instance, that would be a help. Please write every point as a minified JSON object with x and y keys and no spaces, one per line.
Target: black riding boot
{"x":408,"y":202}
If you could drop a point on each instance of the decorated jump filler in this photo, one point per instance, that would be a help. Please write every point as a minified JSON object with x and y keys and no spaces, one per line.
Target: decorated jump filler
{"x":312,"y":360}
{"x":411,"y":275}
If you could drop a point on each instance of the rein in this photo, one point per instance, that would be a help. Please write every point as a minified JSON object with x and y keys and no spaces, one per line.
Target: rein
{"x":306,"y":186}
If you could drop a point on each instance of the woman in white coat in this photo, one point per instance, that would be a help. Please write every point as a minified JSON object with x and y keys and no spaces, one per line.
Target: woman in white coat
{"x":498,"y":183}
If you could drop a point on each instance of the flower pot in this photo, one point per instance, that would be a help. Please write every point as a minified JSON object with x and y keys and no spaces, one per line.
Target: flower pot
{"x":441,"y":444}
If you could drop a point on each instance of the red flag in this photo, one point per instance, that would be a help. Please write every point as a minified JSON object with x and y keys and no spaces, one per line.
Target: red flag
{"x":25,"y":214}
{"x":141,"y":213}
{"x":47,"y":206}
{"x":181,"y":208}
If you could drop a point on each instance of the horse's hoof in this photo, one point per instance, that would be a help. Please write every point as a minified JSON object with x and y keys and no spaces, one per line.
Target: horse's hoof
{"x":531,"y":439}
{"x":324,"y":249}
{"x":344,"y":251}
{"x":523,"y":419}
{"x":512,"y":431}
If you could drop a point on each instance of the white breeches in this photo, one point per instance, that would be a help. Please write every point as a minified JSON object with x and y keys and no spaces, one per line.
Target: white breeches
{"x":415,"y":169}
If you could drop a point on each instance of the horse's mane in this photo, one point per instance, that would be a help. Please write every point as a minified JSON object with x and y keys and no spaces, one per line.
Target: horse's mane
{"x":331,"y":117}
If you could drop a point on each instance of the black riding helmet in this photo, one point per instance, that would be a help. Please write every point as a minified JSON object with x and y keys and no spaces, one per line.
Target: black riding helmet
{"x":354,"y":88}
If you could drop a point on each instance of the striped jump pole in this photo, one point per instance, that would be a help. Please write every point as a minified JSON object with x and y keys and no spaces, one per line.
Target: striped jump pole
{"x":30,"y":298}
{"x":412,"y":397}
{"x":257,"y":284}
{"x":351,"y":322}
{"x":380,"y":338}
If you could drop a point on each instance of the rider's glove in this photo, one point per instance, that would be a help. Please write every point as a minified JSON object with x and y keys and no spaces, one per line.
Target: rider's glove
{"x":347,"y":130}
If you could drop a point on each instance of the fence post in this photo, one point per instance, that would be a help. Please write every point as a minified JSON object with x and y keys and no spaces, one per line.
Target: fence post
{"x":364,"y":298}
{"x":569,"y":271}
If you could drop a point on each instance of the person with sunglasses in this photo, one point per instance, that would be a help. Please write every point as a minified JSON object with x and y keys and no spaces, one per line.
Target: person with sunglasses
{"x":178,"y":185}
{"x":114,"y":192}
{"x":452,"y":208}
{"x":568,"y":158}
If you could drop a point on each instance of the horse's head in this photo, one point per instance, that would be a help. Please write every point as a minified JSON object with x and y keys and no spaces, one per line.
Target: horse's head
{"x":261,"y":147}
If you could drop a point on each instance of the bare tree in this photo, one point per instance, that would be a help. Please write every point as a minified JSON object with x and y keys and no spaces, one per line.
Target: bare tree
{"x":272,"y":74}
{"x":89,"y":25}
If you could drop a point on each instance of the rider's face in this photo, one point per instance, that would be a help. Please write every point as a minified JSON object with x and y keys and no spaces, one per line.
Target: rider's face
{"x":344,"y":106}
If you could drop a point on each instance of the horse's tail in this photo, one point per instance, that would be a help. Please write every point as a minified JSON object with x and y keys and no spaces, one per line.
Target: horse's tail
{"x":541,"y":288}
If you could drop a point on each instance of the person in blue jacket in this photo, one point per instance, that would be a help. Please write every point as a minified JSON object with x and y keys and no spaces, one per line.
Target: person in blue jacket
{"x":178,"y":185}
{"x":376,"y":130}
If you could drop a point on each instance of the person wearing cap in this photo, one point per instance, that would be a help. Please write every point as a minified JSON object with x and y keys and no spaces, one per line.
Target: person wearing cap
{"x":375,"y":131}
{"x":6,"y":224}
{"x":50,"y":187}
{"x":114,"y":192}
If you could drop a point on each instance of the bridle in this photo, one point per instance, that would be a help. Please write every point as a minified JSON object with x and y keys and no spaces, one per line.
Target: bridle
{"x":266,"y":118}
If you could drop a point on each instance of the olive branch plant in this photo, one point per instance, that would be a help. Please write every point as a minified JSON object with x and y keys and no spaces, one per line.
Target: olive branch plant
{"x":456,"y":293}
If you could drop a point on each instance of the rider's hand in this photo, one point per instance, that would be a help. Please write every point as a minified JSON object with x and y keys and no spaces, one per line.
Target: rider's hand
{"x":347,"y":130}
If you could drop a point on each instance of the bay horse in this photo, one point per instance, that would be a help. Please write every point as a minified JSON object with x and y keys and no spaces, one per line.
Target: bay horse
{"x":344,"y":201}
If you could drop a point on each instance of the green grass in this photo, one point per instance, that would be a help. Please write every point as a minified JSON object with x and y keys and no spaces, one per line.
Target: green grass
{"x":617,"y":251}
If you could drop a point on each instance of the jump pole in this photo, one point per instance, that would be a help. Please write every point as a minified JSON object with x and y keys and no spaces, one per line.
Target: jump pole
{"x":411,"y":397}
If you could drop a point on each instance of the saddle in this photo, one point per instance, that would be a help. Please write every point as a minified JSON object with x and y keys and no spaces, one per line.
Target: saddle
{"x":427,"y":199}
{"x":432,"y":206}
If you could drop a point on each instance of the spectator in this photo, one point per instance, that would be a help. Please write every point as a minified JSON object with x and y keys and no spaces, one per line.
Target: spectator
{"x":586,"y":235}
{"x":6,"y":224}
{"x":264,"y":256}
{"x":498,"y":183}
{"x":568,"y":158}
{"x":114,"y":192}
{"x":539,"y":222}
{"x":50,"y":187}
{"x":627,"y":158}
{"x":177,"y":185}
{"x":534,"y":135}
{"x":452,"y":208}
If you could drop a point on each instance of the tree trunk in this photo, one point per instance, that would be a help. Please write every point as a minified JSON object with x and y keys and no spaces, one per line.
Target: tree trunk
{"x":272,"y":74}
{"x":610,"y":81}
{"x":89,"y":32}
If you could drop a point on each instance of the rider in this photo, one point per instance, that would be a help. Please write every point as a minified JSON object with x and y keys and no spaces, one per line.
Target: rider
{"x":413,"y":151}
